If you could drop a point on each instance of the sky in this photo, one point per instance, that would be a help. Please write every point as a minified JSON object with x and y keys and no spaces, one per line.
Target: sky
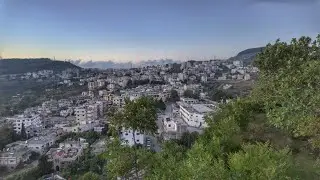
{"x":135,"y":30}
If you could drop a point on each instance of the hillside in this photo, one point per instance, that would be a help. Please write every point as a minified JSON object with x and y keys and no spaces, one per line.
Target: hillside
{"x":18,"y":66}
{"x":248,"y":55}
{"x":250,"y":51}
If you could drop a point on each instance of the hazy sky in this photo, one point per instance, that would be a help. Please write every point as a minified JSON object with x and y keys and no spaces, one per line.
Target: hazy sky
{"x":123,"y":30}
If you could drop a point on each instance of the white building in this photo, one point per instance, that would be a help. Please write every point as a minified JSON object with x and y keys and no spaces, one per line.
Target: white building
{"x":65,"y":103}
{"x":42,"y":143}
{"x":238,"y":63}
{"x":204,"y":79}
{"x":102,"y":92}
{"x":189,"y":100}
{"x":101,"y":82}
{"x":26,"y":120}
{"x":247,"y":77}
{"x":50,"y":106}
{"x":13,"y":155}
{"x":193,"y":114}
{"x":86,"y":114}
{"x":92,"y":85}
{"x":118,"y":101}
{"x":128,"y":138}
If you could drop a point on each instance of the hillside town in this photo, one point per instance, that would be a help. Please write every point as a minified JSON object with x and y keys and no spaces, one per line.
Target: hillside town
{"x":181,"y":88}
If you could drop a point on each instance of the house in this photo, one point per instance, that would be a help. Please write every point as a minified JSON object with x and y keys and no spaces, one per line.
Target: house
{"x":14,"y":154}
{"x":42,"y":143}
{"x":65,"y":154}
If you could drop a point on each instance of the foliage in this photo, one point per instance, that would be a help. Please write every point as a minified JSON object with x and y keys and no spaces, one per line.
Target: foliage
{"x":174,"y":96}
{"x":90,"y":176}
{"x":188,"y":139}
{"x":87,"y":163}
{"x":218,"y":95}
{"x":288,"y":86}
{"x":23,"y":132}
{"x":160,"y":104}
{"x":34,"y":156}
{"x":138,"y":115}
{"x":44,"y":166}
{"x":7,"y":135}
{"x":191,"y":94}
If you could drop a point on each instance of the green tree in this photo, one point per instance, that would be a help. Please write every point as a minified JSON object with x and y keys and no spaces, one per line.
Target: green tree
{"x":23,"y":132}
{"x":139,"y":116}
{"x":44,"y":166}
{"x":188,"y":139}
{"x":160,"y":105}
{"x":174,"y":96}
{"x":288,"y":86}
{"x":90,"y":176}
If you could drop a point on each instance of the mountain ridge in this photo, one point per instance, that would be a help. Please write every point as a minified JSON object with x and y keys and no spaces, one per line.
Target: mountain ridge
{"x":20,"y":66}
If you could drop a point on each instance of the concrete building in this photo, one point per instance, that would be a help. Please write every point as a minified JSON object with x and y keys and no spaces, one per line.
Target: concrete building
{"x":26,"y":120}
{"x":86,"y":113}
{"x":189,"y":100}
{"x":42,"y":143}
{"x":50,"y":106}
{"x":193,"y":114}
{"x":14,"y":154}
{"x":92,"y":85}
{"x":118,"y":101}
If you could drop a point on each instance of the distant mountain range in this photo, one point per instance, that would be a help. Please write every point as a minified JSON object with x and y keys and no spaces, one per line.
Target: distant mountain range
{"x":19,"y":66}
{"x":247,"y":56}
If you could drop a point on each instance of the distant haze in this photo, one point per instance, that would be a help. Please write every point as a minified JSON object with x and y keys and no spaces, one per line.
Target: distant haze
{"x":111,"y":64}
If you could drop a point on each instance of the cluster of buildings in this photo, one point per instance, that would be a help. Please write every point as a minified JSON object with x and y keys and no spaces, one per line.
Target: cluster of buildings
{"x":45,"y":123}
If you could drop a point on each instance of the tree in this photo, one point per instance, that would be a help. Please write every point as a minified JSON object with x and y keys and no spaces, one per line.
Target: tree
{"x":217,"y":95}
{"x":174,"y":96}
{"x":90,"y":176}
{"x":288,"y":86}
{"x":7,"y":135}
{"x":190,"y":94}
{"x":44,"y":166}
{"x":161,"y":105}
{"x":140,"y":116}
{"x":23,"y":133}
{"x":188,"y":139}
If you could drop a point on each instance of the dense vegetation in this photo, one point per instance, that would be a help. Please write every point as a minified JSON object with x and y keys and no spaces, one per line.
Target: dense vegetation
{"x":19,"y":66}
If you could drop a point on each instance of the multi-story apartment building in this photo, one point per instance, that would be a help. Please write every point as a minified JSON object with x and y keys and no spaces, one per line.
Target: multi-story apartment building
{"x":26,"y":120}
{"x":193,"y":114}
{"x":13,"y":155}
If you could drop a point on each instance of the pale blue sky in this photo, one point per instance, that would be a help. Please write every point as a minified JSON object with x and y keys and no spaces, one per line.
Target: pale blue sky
{"x":125,"y":30}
